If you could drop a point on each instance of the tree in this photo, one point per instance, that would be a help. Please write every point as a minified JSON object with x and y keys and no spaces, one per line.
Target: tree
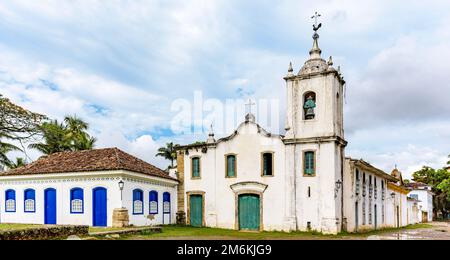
{"x":61,"y":137}
{"x":20,"y":162}
{"x":168,"y":152}
{"x":439,"y":181}
{"x":17,"y":125}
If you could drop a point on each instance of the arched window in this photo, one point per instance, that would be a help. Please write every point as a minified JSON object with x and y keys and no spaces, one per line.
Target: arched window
{"x":138,"y":202}
{"x":231,"y":166}
{"x":166,"y":203}
{"x":30,"y":201}
{"x":309,"y":105}
{"x":267,"y":164}
{"x":153,"y":202}
{"x":10,"y":201}
{"x":76,"y":201}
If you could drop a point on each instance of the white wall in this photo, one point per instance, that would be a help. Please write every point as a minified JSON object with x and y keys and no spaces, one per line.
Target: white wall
{"x":426,"y":203}
{"x":219,"y":197}
{"x":63,"y":183}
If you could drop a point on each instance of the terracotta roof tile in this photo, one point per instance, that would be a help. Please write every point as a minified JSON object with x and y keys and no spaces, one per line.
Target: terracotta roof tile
{"x":88,"y":161}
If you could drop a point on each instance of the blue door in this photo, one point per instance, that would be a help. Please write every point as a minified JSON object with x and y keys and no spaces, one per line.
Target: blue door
{"x":99,"y":207}
{"x":50,"y":206}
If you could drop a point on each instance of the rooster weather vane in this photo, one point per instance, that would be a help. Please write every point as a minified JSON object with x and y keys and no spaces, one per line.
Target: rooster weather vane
{"x":316,"y":26}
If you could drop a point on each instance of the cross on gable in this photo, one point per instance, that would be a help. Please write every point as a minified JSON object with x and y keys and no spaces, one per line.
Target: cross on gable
{"x":249,"y":106}
{"x":316,"y":25}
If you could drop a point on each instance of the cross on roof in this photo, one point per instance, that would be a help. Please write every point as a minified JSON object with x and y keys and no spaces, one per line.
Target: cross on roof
{"x":249,"y":106}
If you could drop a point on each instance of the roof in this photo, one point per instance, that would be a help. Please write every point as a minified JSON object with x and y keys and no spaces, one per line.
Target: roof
{"x":108,"y":159}
{"x":198,"y":145}
{"x":367,"y":166}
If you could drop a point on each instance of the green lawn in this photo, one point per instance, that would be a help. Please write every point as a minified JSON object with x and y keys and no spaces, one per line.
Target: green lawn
{"x":181,"y":232}
{"x":6,"y":227}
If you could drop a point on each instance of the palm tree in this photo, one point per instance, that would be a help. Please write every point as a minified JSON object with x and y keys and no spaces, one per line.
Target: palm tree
{"x":70,"y":136}
{"x":55,"y":138}
{"x":168,"y":152}
{"x":6,"y":148}
{"x":20,"y":162}
{"x":76,"y":132}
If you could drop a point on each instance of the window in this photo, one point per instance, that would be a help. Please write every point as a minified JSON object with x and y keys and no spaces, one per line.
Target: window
{"x":309,"y":192}
{"x":195,"y":167}
{"x":10,"y":201}
{"x":30,"y":201}
{"x":153,"y":202}
{"x":309,"y":164}
{"x":267,"y":164}
{"x":166,"y":203}
{"x":76,"y":201}
{"x":309,"y":106}
{"x":414,"y":196}
{"x":364,"y":212}
{"x":357,"y":183}
{"x":138,"y":202}
{"x":231,"y":166}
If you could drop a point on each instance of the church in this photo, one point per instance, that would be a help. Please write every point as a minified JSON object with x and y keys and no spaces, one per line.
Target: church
{"x":299,"y":181}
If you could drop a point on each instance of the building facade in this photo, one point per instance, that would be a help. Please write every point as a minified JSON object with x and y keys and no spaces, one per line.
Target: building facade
{"x":88,"y":188}
{"x":300,"y":181}
{"x":423,"y":194}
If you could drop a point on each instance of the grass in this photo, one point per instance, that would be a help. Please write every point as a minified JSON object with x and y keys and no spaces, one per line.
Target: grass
{"x":8,"y":227}
{"x":180,"y":232}
{"x":106,"y":229}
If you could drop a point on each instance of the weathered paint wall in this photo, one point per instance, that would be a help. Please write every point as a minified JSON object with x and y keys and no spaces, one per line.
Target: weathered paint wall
{"x":63,"y":183}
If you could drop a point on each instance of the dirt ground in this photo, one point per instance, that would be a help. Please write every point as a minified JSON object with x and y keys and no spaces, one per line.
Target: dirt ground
{"x":439,"y":231}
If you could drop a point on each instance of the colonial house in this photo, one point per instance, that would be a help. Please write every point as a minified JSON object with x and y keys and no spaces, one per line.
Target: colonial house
{"x":105,"y":187}
{"x":298,"y":181}
{"x":423,"y":194}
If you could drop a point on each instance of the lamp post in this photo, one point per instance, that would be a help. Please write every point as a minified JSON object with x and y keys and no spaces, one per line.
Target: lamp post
{"x":121,"y":185}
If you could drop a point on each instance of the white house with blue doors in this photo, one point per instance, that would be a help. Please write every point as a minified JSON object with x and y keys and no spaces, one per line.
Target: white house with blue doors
{"x":84,"y":188}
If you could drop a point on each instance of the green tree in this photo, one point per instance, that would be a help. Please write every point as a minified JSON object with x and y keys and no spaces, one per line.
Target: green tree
{"x":168,"y":152}
{"x":17,"y":125}
{"x":61,"y":137}
{"x":439,"y":181}
{"x":77,"y":134}
{"x":20,"y":162}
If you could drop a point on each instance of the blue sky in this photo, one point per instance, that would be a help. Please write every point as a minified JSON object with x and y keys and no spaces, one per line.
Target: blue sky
{"x":120,"y":64}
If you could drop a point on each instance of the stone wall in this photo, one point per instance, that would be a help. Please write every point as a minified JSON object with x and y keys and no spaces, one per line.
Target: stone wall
{"x":181,"y":214}
{"x":44,"y":233}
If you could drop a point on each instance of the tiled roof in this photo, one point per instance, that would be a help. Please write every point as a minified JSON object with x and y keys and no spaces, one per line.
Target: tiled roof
{"x":88,"y":161}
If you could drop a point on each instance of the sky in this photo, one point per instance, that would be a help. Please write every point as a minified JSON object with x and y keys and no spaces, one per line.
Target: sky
{"x":120,"y":65}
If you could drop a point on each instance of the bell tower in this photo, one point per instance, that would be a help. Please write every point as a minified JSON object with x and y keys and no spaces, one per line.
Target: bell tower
{"x":315,"y":142}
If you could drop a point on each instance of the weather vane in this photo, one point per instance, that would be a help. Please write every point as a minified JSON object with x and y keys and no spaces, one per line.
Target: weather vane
{"x":316,"y":26}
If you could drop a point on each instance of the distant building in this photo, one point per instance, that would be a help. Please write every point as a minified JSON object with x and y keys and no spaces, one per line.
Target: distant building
{"x":424,"y":195}
{"x":105,"y":187}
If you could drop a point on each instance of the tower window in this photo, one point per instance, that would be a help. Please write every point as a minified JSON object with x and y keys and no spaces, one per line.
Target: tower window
{"x":309,"y":164}
{"x":309,"y":105}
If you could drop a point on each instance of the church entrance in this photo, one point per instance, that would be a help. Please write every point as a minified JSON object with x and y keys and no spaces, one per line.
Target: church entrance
{"x":50,"y":207}
{"x":196,"y":210}
{"x":249,"y":212}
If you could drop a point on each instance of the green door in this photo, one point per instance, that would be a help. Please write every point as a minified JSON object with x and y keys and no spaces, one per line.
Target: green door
{"x":249,"y":212}
{"x":196,"y":210}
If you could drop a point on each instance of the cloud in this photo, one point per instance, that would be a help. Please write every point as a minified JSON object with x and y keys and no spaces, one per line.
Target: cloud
{"x":120,"y":64}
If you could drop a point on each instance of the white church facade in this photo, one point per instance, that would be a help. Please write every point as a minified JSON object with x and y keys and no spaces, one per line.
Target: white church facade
{"x":101,"y":188}
{"x":299,"y":181}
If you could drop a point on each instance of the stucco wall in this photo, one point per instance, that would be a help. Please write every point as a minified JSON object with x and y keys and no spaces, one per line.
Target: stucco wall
{"x":63,"y":183}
